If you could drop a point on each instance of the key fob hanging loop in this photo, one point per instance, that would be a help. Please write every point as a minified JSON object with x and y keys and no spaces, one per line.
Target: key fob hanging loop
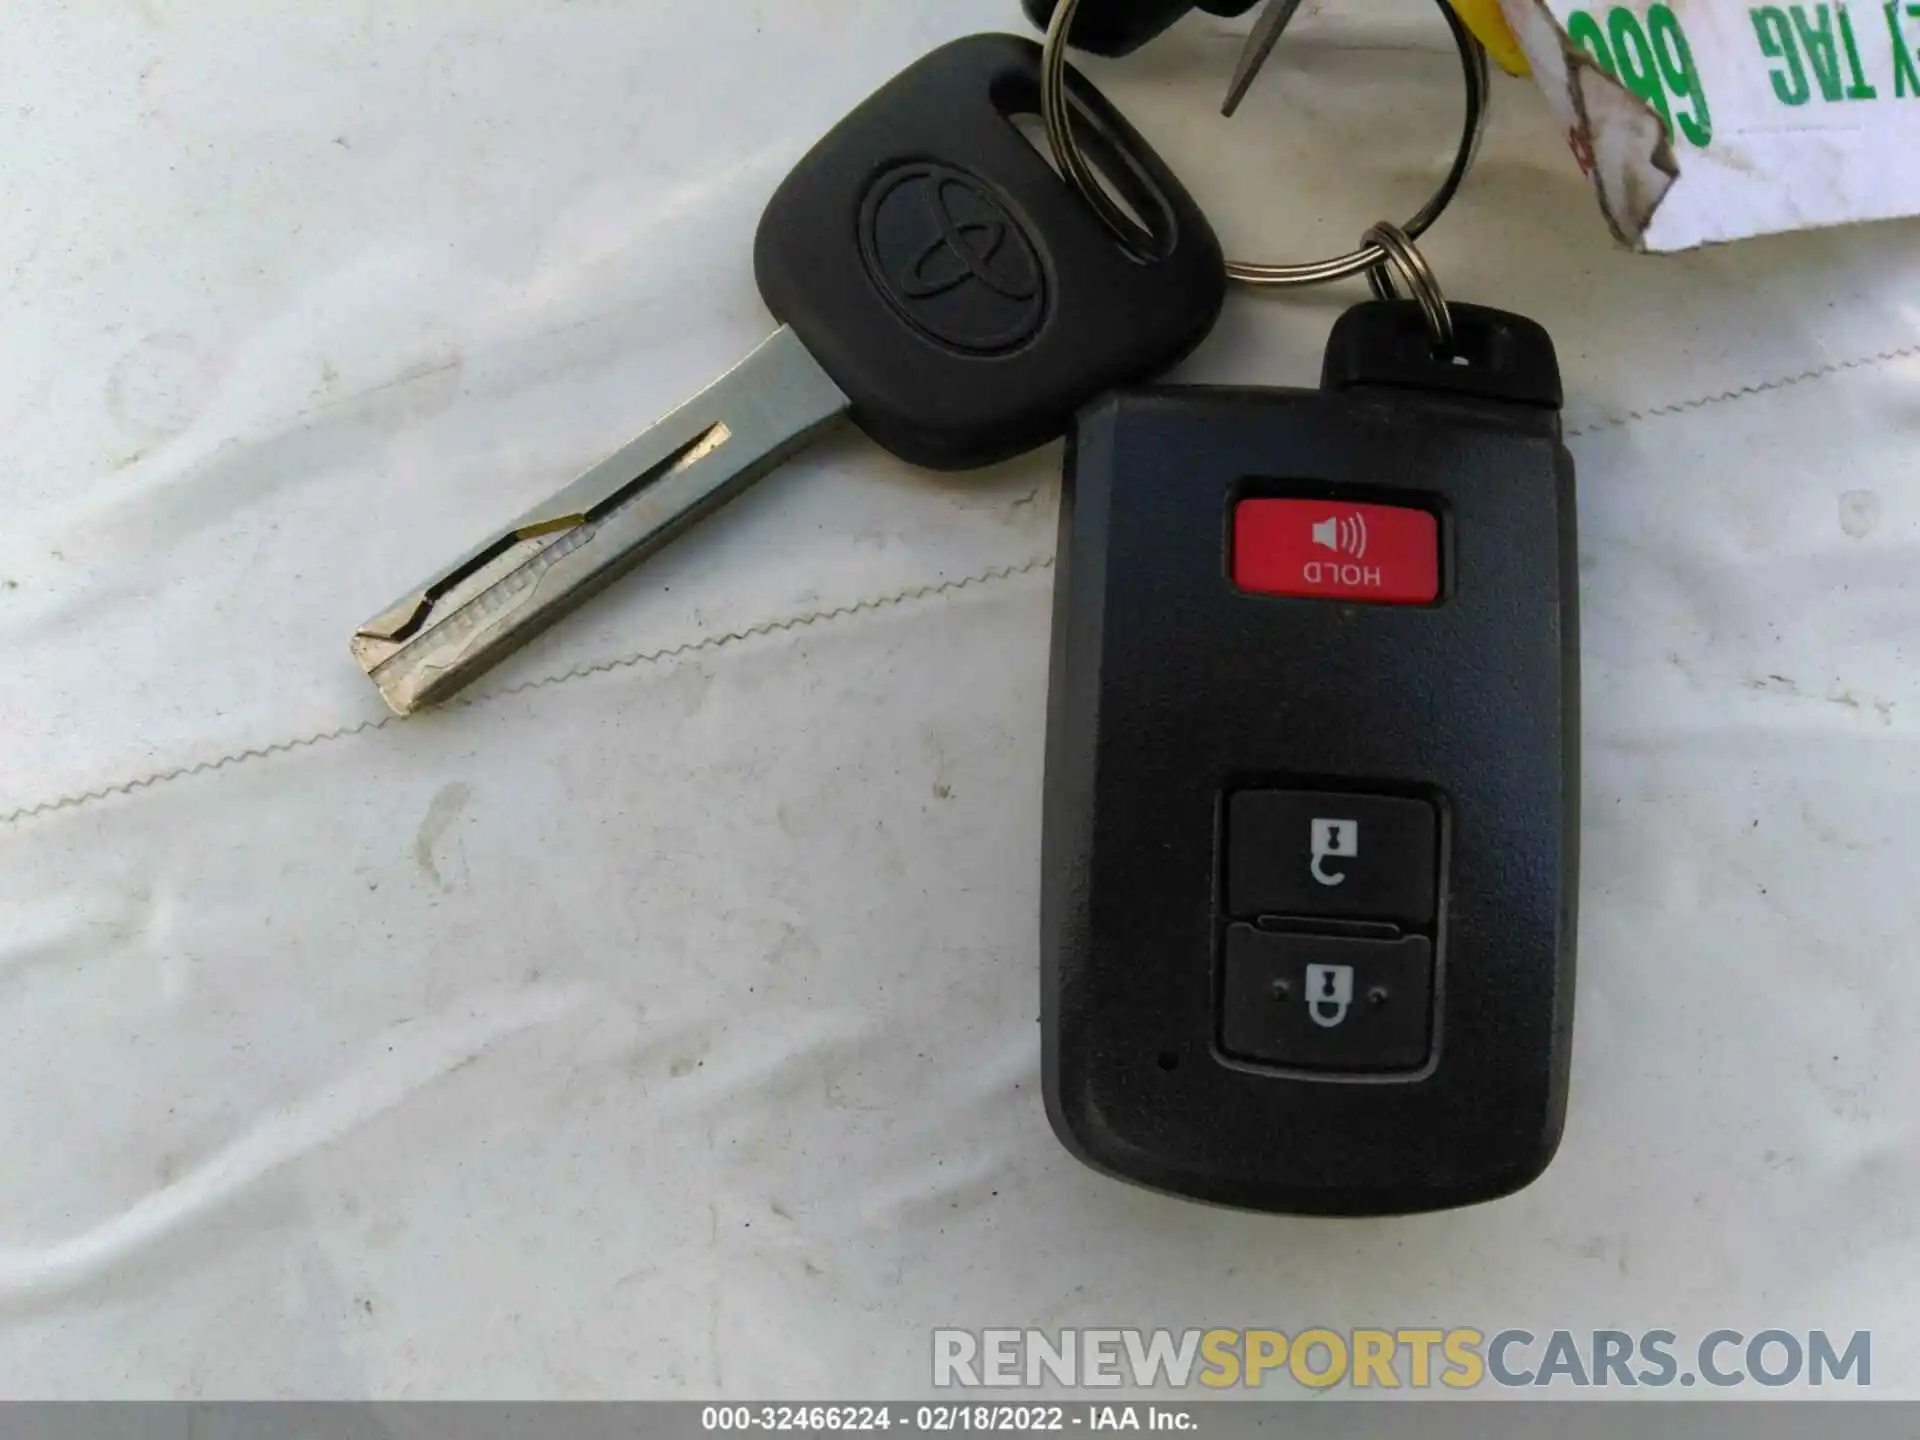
{"x":1064,"y":140}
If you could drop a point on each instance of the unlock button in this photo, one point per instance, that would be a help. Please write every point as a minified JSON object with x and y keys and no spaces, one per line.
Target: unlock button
{"x":1332,"y":856}
{"x":1322,"y":1002}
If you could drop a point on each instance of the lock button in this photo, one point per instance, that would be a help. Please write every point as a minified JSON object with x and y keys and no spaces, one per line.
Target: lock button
{"x":1330,"y":856}
{"x":1322,"y":1002}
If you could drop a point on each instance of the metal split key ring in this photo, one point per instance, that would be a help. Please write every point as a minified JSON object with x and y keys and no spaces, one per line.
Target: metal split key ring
{"x":1384,"y":246}
{"x":1422,"y":284}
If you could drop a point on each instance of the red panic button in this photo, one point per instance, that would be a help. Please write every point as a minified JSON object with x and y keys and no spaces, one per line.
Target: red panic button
{"x":1335,"y":550}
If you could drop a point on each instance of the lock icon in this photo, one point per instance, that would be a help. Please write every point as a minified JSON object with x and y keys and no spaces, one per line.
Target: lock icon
{"x":1329,"y":994}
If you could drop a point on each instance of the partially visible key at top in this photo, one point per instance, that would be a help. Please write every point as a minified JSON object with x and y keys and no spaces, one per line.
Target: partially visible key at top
{"x":938,"y":282}
{"x":1120,"y":27}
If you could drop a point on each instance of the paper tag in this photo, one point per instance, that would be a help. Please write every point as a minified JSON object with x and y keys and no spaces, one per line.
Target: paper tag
{"x":1711,"y":120}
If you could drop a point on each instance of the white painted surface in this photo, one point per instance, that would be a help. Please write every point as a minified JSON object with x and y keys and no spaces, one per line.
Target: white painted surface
{"x":666,"y":1027}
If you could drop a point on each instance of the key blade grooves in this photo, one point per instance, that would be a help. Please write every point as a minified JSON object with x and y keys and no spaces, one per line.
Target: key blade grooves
{"x":555,"y":557}
{"x":692,"y":454}
{"x":577,"y":503}
{"x":549,"y":527}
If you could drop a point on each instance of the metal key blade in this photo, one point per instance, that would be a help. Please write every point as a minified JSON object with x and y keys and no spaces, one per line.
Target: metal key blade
{"x":1266,"y":34}
{"x":504,"y":592}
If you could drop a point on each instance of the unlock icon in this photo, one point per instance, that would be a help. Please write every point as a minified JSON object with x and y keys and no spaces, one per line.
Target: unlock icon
{"x":1334,"y":840}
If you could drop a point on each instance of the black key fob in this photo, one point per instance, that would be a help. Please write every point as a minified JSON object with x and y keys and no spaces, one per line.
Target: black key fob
{"x":1120,"y":27}
{"x":1313,"y":779}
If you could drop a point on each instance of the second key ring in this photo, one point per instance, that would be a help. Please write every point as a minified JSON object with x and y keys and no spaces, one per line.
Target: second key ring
{"x":1423,"y":286}
{"x":1074,"y":164}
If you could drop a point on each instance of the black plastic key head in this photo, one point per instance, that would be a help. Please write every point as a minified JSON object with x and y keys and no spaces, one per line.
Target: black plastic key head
{"x":961,"y":293}
{"x":1120,"y":27}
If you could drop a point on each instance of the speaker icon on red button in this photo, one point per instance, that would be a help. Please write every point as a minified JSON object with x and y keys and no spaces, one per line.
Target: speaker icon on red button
{"x":1380,"y":554}
{"x":1343,"y":534}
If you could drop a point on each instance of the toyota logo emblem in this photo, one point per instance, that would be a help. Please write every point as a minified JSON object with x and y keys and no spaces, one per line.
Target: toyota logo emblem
{"x":951,"y":259}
